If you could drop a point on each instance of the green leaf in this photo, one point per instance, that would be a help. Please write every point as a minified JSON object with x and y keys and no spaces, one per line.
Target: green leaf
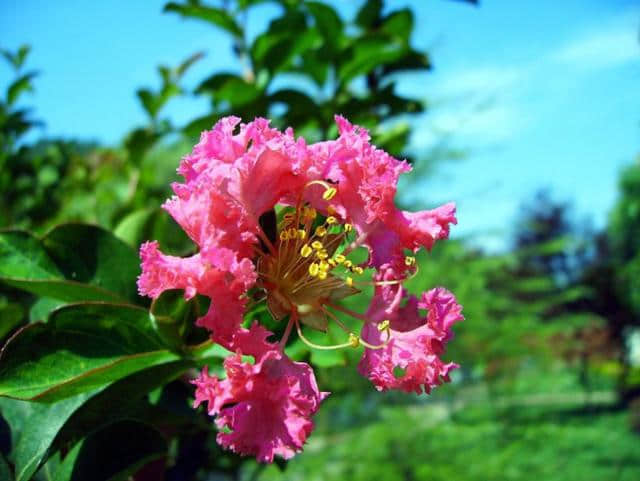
{"x":11,"y":315}
{"x":214,"y":16}
{"x":193,"y":128}
{"x":5,"y":473}
{"x":17,"y":59}
{"x":327,"y":21}
{"x":113,"y":453}
{"x":124,"y":399}
{"x":92,"y":255}
{"x":21,"y":84}
{"x":39,"y":429}
{"x":38,"y":426}
{"x":73,"y":262}
{"x":369,"y":14}
{"x":148,"y":101}
{"x":398,"y":24}
{"x":82,"y":347}
{"x":41,"y":309}
{"x":230,"y":88}
{"x":140,"y":141}
{"x":368,"y":53}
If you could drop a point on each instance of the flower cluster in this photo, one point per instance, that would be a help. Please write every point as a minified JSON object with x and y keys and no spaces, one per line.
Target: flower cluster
{"x":324,"y":201}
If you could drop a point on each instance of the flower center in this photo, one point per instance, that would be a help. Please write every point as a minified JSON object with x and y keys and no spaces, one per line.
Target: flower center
{"x":306,"y":270}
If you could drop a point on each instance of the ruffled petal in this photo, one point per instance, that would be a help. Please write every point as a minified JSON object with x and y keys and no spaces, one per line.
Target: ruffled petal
{"x":267,"y":405}
{"x":411,"y":361}
{"x":367,"y":178}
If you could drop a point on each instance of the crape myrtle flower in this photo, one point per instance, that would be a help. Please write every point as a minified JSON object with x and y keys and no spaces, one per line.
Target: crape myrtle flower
{"x":277,"y":220}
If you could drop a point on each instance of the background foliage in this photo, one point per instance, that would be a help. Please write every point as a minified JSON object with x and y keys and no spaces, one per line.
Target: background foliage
{"x":94,"y":380}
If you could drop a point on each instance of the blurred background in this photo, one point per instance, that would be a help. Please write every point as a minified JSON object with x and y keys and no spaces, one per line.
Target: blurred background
{"x":526,"y":114}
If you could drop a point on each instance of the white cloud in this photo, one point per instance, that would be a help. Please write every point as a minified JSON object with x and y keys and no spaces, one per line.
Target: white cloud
{"x":602,"y":48}
{"x":484,"y":79}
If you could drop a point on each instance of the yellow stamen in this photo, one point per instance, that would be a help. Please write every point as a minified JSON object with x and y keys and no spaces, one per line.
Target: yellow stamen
{"x":384,"y":325}
{"x":284,"y":235}
{"x":321,"y":231}
{"x":349,"y":281}
{"x":314,"y":269}
{"x":354,"y":341}
{"x":330,"y":193}
{"x":348,"y":264}
{"x":317,"y":245}
{"x":409,"y":260}
{"x":322,"y":254}
{"x":340,"y":258}
{"x":331,"y":220}
{"x":348,"y":227}
{"x":302,"y":234}
{"x":358,"y":270}
{"x":306,"y":251}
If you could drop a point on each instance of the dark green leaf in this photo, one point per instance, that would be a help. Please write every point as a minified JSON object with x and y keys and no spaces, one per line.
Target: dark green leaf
{"x":37,"y":426}
{"x":21,"y":84}
{"x":73,"y":262}
{"x":369,"y":14}
{"x":17,"y":59}
{"x":92,"y":255}
{"x":149,"y":101}
{"x":327,"y":21}
{"x":140,"y":141}
{"x":398,"y":24}
{"x":113,"y":453}
{"x":41,"y":309}
{"x":229,"y":88}
{"x":215,"y":16}
{"x":367,"y":54}
{"x":5,"y":473}
{"x":82,"y":347}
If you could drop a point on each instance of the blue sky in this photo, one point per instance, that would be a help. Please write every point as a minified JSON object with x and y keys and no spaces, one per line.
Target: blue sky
{"x":540,"y":93}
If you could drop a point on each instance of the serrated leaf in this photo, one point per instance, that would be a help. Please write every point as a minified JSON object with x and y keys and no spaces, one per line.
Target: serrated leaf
{"x":214,"y":16}
{"x":81,"y":348}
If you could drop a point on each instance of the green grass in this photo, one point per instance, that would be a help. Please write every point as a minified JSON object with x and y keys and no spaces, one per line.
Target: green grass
{"x":477,"y":442}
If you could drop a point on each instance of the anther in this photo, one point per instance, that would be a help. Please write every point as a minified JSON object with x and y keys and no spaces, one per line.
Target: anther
{"x":348,"y":264}
{"x":302,"y":234}
{"x":321,"y":231}
{"x":330,"y":193}
{"x":354,"y":341}
{"x":322,"y":254}
{"x":340,"y":258}
{"x":383,"y":326}
{"x":358,"y":270}
{"x":348,"y":227}
{"x":306,"y":250}
{"x":409,"y":260}
{"x":317,"y":245}
{"x":331,"y":220}
{"x":349,"y":281}
{"x":314,"y":269}
{"x":284,"y":235}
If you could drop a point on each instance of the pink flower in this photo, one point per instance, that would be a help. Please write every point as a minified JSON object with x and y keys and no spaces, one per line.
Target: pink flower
{"x":410,"y":360}
{"x":333,"y":197}
{"x":267,"y":405}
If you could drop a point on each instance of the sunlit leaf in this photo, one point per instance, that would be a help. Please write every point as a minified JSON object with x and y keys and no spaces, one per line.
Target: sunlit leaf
{"x":215,"y":16}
